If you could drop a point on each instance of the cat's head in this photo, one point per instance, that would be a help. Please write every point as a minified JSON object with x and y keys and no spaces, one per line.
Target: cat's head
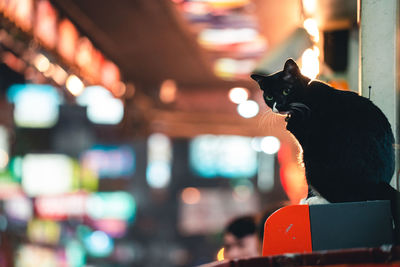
{"x":284,"y":89}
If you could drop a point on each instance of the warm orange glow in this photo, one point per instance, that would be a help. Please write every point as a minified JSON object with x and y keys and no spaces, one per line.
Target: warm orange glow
{"x":110,"y":75}
{"x":50,"y":71}
{"x":59,"y":75}
{"x":220,"y":255}
{"x":45,"y":27}
{"x":340,"y":84}
{"x":229,"y":68}
{"x":292,"y":176}
{"x":67,"y":40}
{"x":227,"y":4}
{"x":191,"y":195}
{"x":295,"y":182}
{"x":23,"y":13}
{"x":168,"y":91}
{"x":198,"y":8}
{"x":120,"y":89}
{"x":83,"y":54}
{"x":316,"y":50}
{"x":310,"y":63}
{"x":130,"y":90}
{"x":13,"y":62}
{"x":310,"y":6}
{"x":41,"y":63}
{"x":74,"y":85}
{"x":311,"y":27}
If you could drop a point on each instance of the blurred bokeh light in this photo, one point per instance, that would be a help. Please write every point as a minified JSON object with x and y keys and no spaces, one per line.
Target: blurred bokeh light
{"x":248,"y":109}
{"x":238,"y":95}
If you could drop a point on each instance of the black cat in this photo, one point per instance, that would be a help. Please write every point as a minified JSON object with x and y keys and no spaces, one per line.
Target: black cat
{"x":347,"y":142}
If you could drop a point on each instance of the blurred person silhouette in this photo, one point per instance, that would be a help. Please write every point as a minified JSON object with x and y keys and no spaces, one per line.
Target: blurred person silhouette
{"x":241,"y":238}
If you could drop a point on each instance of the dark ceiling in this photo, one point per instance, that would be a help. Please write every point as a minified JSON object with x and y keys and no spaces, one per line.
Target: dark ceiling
{"x":151,"y":41}
{"x":148,"y":40}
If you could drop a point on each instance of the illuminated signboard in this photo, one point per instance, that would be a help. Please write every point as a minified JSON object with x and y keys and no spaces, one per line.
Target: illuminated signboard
{"x":4,"y":148}
{"x":19,"y":11}
{"x":229,"y":68}
{"x":75,"y":253}
{"x":15,"y":168}
{"x":46,"y":23}
{"x":19,"y":208}
{"x":96,"y":65}
{"x":9,"y":189}
{"x":83,"y":56}
{"x":110,"y":161}
{"x":36,"y":105}
{"x":102,"y":106}
{"x":159,"y":159}
{"x":111,"y":205}
{"x":91,"y":60}
{"x":223,"y":156}
{"x":47,"y":174}
{"x":67,"y":40}
{"x":61,"y":207}
{"x":33,"y":255}
{"x":110,"y":75}
{"x":43,"y":231}
{"x":113,"y":227}
{"x":63,"y":36}
{"x":99,"y":244}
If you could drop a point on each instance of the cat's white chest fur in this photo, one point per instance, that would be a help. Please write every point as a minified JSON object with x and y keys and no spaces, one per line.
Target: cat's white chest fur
{"x":314,"y":200}
{"x":274,"y":109}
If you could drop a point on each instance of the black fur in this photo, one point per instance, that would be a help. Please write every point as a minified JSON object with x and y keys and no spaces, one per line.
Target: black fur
{"x":347,"y":142}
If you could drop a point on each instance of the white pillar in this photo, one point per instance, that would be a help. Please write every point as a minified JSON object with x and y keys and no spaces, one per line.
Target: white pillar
{"x":378,"y":57}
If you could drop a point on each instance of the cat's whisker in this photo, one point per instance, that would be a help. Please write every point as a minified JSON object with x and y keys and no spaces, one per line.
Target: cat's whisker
{"x":272,"y":121}
{"x":300,"y":108}
{"x":267,"y":119}
{"x":275,"y":119}
{"x":299,"y":105}
{"x":263,"y":118}
{"x":296,"y":108}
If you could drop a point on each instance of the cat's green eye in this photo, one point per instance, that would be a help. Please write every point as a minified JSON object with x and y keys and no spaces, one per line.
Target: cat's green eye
{"x":269,"y":98}
{"x":286,"y":91}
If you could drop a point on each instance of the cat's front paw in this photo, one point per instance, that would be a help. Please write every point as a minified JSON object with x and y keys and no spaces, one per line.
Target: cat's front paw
{"x":317,"y":200}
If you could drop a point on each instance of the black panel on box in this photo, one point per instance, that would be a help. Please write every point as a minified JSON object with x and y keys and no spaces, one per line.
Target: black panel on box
{"x":336,"y":49}
{"x":351,"y":225}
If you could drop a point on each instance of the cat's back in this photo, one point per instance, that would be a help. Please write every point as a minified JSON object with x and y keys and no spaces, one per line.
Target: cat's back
{"x":348,"y":108}
{"x":350,"y":133}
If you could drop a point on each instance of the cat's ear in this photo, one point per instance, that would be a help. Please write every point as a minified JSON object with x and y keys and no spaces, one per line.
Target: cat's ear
{"x":257,"y":77}
{"x":291,"y":68}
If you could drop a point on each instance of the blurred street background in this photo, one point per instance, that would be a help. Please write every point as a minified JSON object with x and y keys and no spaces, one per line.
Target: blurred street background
{"x":131,"y":132}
